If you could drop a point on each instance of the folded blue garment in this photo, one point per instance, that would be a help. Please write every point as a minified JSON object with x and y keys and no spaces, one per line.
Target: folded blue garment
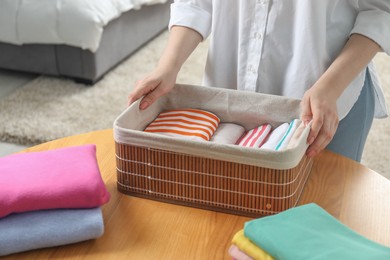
{"x":309,"y":232}
{"x":48,"y":228}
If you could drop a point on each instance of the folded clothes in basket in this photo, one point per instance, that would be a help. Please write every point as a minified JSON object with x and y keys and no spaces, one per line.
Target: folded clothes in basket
{"x":61,"y":178}
{"x":282,"y":144}
{"x":229,"y":178}
{"x":264,"y":137}
{"x":193,"y":124}
{"x":47,"y":228}
{"x":228,"y":133}
{"x":309,"y":232}
{"x":256,"y":136}
{"x":275,"y":136}
{"x":201,"y":125}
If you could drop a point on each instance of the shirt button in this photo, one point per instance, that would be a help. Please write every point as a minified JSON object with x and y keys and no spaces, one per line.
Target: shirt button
{"x":262,"y":2}
{"x":251,"y":69}
{"x":257,"y":35}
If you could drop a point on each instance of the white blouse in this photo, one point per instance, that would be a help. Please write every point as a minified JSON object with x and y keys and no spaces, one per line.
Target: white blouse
{"x":282,"y":47}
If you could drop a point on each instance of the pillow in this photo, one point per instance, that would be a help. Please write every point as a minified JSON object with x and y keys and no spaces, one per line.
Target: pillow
{"x":61,"y":178}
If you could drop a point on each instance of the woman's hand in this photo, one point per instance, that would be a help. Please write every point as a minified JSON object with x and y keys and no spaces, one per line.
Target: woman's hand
{"x":181,"y":43}
{"x":152,"y":87}
{"x":319,"y":106}
{"x":319,"y":102}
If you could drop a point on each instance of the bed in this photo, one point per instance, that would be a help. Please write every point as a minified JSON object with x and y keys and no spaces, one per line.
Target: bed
{"x":82,"y":40}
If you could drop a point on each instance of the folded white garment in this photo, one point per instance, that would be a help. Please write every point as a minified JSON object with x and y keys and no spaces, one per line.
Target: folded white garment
{"x":227,"y":133}
{"x":275,"y":136}
{"x":296,"y":136}
{"x":287,"y":135}
{"x":47,"y":228}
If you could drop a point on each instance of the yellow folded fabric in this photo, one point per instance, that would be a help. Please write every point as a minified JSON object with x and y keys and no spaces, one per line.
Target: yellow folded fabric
{"x":252,"y":250}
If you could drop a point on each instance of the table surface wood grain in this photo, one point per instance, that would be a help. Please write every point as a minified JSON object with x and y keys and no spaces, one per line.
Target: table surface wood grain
{"x":138,"y":228}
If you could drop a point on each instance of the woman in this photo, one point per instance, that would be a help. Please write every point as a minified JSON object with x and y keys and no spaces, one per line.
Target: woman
{"x":317,"y":51}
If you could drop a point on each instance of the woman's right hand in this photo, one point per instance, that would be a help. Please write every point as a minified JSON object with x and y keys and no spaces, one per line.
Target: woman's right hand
{"x":152,"y":87}
{"x":181,"y":43}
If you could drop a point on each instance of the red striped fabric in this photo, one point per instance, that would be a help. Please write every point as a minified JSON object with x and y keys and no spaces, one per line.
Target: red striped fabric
{"x":256,"y":137}
{"x":192,"y":124}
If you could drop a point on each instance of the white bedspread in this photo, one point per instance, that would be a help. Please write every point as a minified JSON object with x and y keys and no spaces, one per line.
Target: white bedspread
{"x":73,"y":22}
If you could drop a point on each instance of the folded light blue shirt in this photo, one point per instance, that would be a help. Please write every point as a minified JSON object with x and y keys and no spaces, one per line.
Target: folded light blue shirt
{"x":309,"y":232}
{"x":48,"y":228}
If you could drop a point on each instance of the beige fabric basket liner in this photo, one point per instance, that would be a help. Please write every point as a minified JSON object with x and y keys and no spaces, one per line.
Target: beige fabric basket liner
{"x":244,"y":108}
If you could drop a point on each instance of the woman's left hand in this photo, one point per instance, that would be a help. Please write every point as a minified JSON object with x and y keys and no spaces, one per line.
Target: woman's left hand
{"x":318,"y":105}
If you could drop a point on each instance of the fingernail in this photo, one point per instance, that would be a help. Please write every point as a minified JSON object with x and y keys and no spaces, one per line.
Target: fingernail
{"x":311,"y":154}
{"x":143,"y":105}
{"x":311,"y":140}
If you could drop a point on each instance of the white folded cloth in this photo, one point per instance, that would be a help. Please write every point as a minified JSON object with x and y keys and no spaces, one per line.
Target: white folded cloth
{"x":296,"y":136}
{"x":275,"y":136}
{"x":287,"y":136}
{"x":227,"y":133}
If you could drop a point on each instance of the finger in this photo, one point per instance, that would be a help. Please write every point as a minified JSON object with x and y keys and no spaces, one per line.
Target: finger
{"x":323,"y":139}
{"x":306,"y":114}
{"x":141,"y":89}
{"x":151,"y":97}
{"x":317,"y":146}
{"x":315,"y":128}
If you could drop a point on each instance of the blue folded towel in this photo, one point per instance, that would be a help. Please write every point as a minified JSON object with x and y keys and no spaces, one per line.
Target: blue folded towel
{"x":48,"y":228}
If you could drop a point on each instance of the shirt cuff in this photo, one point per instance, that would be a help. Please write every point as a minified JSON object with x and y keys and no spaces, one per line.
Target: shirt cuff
{"x":374,"y":24}
{"x":192,"y":16}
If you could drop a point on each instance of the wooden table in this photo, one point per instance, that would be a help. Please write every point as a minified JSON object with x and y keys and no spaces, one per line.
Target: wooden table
{"x":144,"y":229}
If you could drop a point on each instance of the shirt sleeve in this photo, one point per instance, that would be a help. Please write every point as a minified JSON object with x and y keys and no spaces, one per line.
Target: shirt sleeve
{"x":373,"y":21}
{"x":195,"y":14}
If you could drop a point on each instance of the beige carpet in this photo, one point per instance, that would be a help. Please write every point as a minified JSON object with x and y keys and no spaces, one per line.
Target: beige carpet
{"x":49,"y":108}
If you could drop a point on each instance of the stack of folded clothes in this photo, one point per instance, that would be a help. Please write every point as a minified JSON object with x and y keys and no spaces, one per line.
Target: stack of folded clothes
{"x":280,"y":138}
{"x":200,"y":125}
{"x":304,"y":232}
{"x":50,"y":198}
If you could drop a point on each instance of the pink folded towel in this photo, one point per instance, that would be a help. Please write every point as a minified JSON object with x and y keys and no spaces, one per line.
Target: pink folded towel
{"x":256,"y":137}
{"x":62,"y":178}
{"x":237,"y":254}
{"x":227,"y":133}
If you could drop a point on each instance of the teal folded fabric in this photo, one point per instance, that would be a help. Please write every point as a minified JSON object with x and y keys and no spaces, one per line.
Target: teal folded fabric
{"x":47,"y":228}
{"x":309,"y":232}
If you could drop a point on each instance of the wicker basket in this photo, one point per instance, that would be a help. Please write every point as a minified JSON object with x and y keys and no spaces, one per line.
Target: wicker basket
{"x":227,"y":178}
